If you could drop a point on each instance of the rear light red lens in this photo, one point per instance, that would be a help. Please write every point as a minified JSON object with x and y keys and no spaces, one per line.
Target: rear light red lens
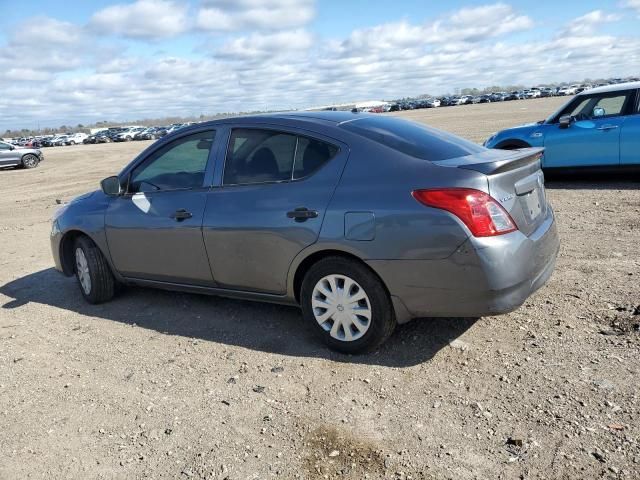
{"x":481,"y":213}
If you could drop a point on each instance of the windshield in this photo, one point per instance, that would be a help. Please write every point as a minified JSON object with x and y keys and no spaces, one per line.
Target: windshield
{"x":412,"y":138}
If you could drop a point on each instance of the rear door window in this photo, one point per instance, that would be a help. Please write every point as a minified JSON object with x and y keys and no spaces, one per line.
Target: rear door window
{"x":266,"y":156}
{"x":311,"y":154}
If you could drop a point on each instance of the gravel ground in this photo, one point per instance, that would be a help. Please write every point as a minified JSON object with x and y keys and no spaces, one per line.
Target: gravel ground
{"x":170,"y":385}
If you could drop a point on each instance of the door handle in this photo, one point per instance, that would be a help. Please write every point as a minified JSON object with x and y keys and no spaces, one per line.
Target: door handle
{"x":180,"y":215}
{"x":607,"y":127}
{"x":301,"y":214}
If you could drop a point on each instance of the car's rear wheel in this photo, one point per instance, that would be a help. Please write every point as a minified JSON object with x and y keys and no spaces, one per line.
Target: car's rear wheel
{"x":30,"y":161}
{"x":347,"y":304}
{"x":92,"y":271}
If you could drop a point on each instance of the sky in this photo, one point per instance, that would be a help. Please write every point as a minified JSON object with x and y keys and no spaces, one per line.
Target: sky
{"x":70,"y":62}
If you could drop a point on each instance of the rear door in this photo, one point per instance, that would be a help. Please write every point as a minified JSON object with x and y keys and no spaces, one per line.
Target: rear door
{"x":154,"y":231}
{"x":630,"y":136}
{"x":269,"y":204}
{"x":594,"y":138}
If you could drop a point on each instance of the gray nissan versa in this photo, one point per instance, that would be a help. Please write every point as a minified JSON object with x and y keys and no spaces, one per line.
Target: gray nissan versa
{"x":364,"y":221}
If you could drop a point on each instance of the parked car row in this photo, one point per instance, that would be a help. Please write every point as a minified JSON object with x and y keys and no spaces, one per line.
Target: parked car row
{"x":525,"y":94}
{"x":128,"y":134}
{"x":112,"y":134}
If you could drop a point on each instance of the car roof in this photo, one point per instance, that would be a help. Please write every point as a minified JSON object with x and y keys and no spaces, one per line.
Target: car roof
{"x":612,"y":88}
{"x":319,"y":118}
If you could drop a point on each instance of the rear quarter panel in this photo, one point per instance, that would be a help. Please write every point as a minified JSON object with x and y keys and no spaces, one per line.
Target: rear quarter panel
{"x":377,"y":182}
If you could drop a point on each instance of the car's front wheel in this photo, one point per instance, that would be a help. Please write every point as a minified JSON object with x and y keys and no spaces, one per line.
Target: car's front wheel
{"x":30,"y":161}
{"x":92,"y":271}
{"x":347,"y":304}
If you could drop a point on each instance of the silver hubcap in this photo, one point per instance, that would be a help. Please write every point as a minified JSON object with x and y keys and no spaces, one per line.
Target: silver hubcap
{"x":82,"y":270}
{"x":30,"y":160}
{"x":341,"y":307}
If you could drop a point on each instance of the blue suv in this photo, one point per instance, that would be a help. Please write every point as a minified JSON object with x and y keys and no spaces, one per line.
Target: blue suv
{"x":596,"y":128}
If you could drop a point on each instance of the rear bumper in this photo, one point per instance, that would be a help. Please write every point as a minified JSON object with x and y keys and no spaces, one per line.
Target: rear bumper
{"x":484,"y":276}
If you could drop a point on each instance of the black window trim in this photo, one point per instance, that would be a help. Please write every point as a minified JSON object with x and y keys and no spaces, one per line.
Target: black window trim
{"x":129,"y":171}
{"x":274,"y":128}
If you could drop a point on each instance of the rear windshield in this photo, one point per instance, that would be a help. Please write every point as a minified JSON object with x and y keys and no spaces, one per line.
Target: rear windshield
{"x":412,"y":138}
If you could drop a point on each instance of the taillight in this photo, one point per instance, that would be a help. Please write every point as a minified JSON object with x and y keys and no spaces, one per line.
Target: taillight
{"x":481,"y":213}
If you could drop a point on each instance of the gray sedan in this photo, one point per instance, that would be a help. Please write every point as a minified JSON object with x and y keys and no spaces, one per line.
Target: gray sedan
{"x":15,"y":156}
{"x":363,"y":221}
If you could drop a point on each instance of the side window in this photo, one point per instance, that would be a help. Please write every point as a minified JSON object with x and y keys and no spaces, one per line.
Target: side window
{"x":4,"y":146}
{"x":178,"y":165}
{"x":259,"y":156}
{"x":579,"y":108}
{"x":598,"y":106}
{"x":610,"y":106}
{"x":311,"y":154}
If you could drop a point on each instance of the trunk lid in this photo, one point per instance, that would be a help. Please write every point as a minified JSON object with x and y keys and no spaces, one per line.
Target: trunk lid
{"x":515,"y":180}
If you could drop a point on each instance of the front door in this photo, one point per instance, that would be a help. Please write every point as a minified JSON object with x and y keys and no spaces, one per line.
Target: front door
{"x":593,"y":139}
{"x":154,"y":231}
{"x":8,"y":155}
{"x":275,"y":190}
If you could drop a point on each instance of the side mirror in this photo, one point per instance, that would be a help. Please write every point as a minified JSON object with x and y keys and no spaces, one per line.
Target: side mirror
{"x":565,"y":121}
{"x":111,"y":186}
{"x":12,"y":147}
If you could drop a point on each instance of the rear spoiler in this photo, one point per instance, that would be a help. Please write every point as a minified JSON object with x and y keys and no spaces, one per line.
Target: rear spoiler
{"x":497,"y":161}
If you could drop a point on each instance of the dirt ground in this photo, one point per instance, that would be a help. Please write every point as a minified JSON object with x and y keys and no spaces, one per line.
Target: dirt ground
{"x":169,"y":385}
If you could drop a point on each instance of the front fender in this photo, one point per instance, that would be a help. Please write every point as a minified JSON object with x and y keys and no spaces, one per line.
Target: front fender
{"x":520,"y":137}
{"x":82,"y":216}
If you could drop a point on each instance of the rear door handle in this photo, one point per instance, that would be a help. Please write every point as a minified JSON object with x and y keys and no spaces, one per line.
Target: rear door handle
{"x":607,"y":127}
{"x":180,"y":215}
{"x":301,"y":214}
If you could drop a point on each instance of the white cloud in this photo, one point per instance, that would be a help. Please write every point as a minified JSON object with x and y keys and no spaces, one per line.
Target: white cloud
{"x":228,"y":15}
{"x":634,"y":4}
{"x":83,"y":77}
{"x":46,"y":31}
{"x":146,"y":19}
{"x":466,"y":25}
{"x":488,"y":21}
{"x":588,"y":23}
{"x":265,"y":47}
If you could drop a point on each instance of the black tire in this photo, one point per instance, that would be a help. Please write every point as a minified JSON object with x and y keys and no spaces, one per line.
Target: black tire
{"x":102,"y":285}
{"x":383,"y":320}
{"x":30,"y":161}
{"x":72,"y":142}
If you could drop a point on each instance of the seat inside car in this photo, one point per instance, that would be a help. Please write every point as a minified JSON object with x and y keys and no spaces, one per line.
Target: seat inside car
{"x":263,"y":165}
{"x":314,"y":156}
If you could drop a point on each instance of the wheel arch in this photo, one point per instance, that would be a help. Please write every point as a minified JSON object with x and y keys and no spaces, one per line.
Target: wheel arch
{"x":512,"y":144}
{"x":312,"y":258}
{"x":67,"y":242}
